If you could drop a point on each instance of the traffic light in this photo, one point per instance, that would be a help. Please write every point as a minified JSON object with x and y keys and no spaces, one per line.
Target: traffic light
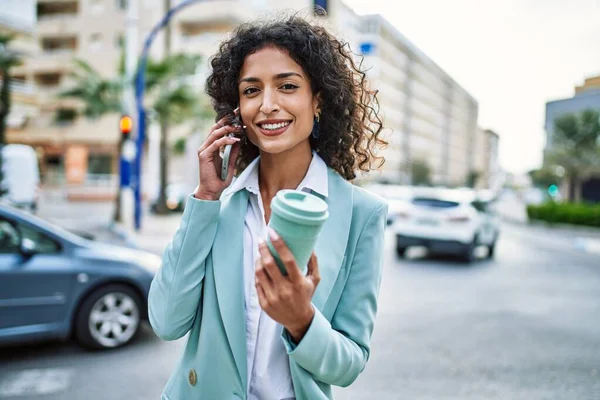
{"x":125,"y":126}
{"x":553,"y":190}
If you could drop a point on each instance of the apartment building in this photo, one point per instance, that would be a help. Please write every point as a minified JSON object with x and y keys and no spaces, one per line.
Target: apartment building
{"x":94,"y":31}
{"x":430,"y":117}
{"x":17,"y":18}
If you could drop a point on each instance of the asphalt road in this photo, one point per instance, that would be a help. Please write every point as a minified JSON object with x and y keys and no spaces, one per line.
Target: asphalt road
{"x":524,"y":326}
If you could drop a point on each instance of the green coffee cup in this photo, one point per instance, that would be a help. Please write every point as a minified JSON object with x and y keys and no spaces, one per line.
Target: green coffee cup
{"x":297,"y":217}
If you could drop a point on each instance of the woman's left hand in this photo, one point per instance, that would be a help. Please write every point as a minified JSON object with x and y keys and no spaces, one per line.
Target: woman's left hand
{"x":286,"y":298}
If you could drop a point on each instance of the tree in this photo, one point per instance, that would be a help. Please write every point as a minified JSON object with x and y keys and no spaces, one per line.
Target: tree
{"x":98,"y":96}
{"x":545,"y":177}
{"x":576,"y":148}
{"x":167,"y":92}
{"x":174,"y":102}
{"x":421,"y":173}
{"x":472,"y":178}
{"x":8,"y":60}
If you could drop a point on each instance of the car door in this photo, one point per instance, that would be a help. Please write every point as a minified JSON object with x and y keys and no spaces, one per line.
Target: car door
{"x":35,"y":289}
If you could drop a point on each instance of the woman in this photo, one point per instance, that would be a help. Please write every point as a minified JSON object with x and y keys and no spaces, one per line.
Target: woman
{"x":308,"y":122}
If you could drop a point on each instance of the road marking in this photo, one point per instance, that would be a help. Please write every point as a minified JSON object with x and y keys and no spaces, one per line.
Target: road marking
{"x":35,"y":382}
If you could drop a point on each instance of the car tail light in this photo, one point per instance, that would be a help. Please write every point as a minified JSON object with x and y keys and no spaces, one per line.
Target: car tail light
{"x":402,"y":214}
{"x":459,"y":218}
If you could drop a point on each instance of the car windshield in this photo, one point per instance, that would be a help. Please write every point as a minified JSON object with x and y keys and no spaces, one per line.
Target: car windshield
{"x":433,"y":203}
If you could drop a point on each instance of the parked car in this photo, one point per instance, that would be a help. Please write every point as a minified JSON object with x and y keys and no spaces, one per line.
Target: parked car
{"x":397,"y":197}
{"x":55,"y":284}
{"x":21,"y":176}
{"x":447,"y":221}
{"x":176,"y":198}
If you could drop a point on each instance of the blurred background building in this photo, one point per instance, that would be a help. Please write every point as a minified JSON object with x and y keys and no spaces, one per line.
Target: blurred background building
{"x":431,"y":119}
{"x":587,"y":96}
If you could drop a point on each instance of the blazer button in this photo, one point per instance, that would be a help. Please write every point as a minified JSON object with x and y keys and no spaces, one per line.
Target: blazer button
{"x":192,"y":377}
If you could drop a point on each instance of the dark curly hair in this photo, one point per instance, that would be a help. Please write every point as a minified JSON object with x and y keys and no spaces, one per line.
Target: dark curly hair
{"x":349,"y":126}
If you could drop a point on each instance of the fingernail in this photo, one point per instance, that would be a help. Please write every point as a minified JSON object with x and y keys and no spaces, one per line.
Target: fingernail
{"x":261,"y":241}
{"x":273,"y":235}
{"x":235,"y":139}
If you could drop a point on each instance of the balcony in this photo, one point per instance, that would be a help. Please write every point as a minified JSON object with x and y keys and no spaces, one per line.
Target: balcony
{"x":223,"y":15}
{"x":55,"y":61}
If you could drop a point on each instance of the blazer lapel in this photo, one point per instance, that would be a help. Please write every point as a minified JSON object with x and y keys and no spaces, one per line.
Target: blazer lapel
{"x":228,"y":271}
{"x":331,"y":244}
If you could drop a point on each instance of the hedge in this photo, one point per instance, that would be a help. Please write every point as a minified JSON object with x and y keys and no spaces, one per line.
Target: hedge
{"x":566,"y":213}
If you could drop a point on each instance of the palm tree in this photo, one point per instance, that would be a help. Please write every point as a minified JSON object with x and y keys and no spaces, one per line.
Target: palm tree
{"x":174,"y":101}
{"x":576,"y":147}
{"x":167,"y":92}
{"x":8,"y":60}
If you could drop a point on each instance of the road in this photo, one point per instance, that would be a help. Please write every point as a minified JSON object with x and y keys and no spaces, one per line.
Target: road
{"x":523,"y":326}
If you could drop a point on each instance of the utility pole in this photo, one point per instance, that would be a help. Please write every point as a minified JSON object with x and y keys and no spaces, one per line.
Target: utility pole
{"x":164,"y":129}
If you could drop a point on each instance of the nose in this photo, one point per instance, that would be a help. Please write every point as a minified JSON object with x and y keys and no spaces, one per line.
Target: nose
{"x":269,"y":102}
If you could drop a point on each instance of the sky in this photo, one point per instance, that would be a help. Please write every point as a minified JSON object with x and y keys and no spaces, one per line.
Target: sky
{"x":511,"y":55}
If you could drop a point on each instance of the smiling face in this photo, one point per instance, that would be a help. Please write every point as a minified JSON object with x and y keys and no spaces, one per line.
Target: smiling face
{"x":276,"y":101}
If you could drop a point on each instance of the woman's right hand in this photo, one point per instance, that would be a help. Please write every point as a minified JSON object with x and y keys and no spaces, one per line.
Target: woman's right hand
{"x":211,"y":186}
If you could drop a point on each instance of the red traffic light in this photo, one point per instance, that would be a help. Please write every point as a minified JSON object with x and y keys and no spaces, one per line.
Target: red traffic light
{"x":125,"y":125}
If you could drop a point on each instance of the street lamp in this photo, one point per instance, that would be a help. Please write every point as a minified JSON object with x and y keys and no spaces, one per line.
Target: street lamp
{"x":139,"y":95}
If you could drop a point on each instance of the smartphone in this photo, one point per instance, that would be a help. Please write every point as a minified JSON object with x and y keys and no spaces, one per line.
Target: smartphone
{"x":235,"y":121}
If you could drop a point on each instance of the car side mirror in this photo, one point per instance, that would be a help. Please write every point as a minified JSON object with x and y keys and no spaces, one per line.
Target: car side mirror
{"x":28,"y":248}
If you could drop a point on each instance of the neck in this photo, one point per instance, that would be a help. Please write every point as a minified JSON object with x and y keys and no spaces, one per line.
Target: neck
{"x":284,"y":170}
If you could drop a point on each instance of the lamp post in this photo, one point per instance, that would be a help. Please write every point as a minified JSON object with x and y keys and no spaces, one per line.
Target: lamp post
{"x":140,"y":80}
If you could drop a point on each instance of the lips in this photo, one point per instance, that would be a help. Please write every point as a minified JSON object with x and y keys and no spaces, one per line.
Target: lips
{"x":273,"y":128}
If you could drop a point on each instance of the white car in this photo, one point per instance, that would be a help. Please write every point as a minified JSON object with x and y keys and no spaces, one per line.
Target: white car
{"x":449,"y":221}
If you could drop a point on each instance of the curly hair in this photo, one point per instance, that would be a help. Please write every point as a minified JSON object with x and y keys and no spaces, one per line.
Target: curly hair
{"x":349,"y":127}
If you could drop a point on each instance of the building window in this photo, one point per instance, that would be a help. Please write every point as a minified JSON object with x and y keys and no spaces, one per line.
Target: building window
{"x":122,"y":4}
{"x":100,"y":164}
{"x":120,"y":41}
{"x":95,"y":41}
{"x":48,"y":79}
{"x":59,"y":44}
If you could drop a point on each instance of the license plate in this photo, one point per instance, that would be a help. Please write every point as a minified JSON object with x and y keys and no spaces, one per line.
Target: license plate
{"x":427,"y":221}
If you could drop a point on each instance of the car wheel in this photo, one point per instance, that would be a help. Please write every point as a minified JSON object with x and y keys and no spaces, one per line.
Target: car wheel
{"x":491,"y":249}
{"x":108,"y":318}
{"x":469,"y":253}
{"x":400,"y":251}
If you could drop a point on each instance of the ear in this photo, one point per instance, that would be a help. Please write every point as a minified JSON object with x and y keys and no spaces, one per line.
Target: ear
{"x":317,"y":104}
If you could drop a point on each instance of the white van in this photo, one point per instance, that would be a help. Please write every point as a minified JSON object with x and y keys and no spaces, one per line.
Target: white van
{"x":21,"y":176}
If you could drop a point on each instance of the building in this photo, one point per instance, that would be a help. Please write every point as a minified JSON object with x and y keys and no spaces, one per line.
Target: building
{"x":486,"y":163}
{"x":94,"y":31}
{"x":428,"y":115}
{"x":431,"y":117}
{"x":587,"y":96}
{"x":17,"y":18}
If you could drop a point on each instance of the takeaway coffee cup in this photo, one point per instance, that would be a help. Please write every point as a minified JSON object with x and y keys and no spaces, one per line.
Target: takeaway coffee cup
{"x":297,"y":217}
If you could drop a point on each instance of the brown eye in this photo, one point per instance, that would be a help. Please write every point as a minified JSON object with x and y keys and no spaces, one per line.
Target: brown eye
{"x":289,"y":86}
{"x":250,"y":91}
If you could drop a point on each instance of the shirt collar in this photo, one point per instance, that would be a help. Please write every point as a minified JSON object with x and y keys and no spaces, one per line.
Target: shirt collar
{"x":316,"y":178}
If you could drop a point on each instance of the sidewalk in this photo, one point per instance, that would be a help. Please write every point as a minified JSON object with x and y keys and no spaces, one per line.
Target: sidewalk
{"x":511,"y":210}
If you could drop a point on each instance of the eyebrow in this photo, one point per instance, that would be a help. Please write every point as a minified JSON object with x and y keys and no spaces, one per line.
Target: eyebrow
{"x":282,"y":75}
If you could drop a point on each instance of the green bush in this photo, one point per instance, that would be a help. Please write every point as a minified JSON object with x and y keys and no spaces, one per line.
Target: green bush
{"x":557,"y":213}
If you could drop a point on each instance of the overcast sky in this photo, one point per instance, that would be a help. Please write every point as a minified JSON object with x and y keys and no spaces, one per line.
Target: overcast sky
{"x":511,"y":55}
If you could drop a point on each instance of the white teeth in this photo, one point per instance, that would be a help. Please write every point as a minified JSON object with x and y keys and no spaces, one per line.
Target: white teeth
{"x":273,"y":127}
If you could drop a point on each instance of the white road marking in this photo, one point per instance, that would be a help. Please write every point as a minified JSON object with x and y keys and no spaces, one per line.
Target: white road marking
{"x":35,"y":382}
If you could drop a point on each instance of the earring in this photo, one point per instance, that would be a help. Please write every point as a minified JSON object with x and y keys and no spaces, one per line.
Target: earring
{"x":315,"y":129}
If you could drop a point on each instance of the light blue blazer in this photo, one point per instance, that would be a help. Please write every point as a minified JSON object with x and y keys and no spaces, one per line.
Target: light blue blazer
{"x":199,"y":290}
